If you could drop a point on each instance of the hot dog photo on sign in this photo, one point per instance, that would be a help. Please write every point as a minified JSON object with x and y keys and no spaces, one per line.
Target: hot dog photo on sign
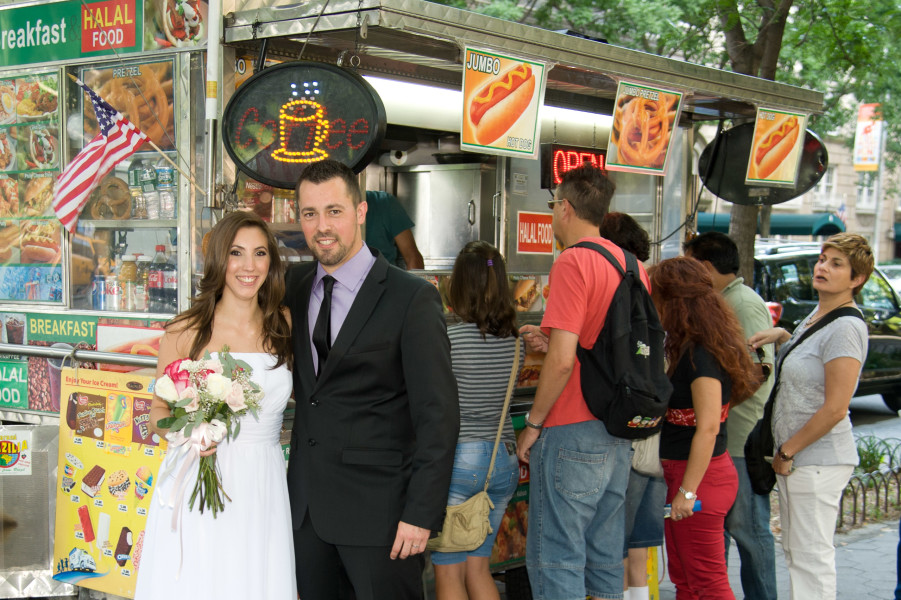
{"x":500,"y":103}
{"x":776,"y":147}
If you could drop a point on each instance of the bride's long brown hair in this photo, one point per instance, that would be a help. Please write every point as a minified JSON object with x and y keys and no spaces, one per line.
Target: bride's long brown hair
{"x":694,"y":314}
{"x":276,"y":331}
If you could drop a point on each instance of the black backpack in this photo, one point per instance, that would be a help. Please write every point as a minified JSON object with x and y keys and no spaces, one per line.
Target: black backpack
{"x":623,"y":378}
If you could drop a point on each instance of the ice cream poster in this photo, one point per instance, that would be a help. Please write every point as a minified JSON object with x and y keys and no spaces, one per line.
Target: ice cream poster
{"x":501,"y":99}
{"x":108,"y":464}
{"x":643,"y":122}
{"x":776,"y":148}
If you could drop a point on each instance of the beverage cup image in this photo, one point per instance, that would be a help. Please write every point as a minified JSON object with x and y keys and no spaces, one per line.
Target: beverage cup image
{"x":15,"y":330}
{"x":54,"y":368}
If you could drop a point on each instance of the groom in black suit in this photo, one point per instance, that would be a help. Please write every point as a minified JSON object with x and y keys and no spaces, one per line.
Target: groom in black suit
{"x":377,"y":417}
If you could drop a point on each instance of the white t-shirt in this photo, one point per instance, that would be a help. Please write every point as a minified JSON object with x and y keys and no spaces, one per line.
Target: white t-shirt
{"x":802,"y":389}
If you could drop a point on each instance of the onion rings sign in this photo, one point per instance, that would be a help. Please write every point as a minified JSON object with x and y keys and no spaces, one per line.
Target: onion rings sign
{"x":293,"y":114}
{"x":643,"y":122}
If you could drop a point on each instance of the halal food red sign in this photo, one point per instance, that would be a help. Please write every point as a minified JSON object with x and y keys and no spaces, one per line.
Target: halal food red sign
{"x":293,"y":114}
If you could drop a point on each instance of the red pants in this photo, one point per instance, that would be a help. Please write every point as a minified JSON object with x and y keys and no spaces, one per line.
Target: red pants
{"x":695,"y":551}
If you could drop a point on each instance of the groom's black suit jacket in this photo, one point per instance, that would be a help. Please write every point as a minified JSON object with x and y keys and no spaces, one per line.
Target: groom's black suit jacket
{"x":374,"y":436}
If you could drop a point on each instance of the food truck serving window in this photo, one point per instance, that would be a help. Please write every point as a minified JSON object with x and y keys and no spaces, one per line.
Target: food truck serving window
{"x":557,"y":160}
{"x":290,"y":115}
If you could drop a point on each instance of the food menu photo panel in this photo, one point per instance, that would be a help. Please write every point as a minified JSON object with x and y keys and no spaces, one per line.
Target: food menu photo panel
{"x":30,"y":235}
{"x":142,"y":92}
{"x":776,"y":148}
{"x":644,"y":118}
{"x":174,"y":23}
{"x":502,"y":96}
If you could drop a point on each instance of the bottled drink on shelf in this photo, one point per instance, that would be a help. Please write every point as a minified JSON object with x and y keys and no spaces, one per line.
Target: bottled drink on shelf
{"x":128,"y":278}
{"x":149,"y":189}
{"x":156,"y":276}
{"x":138,"y":205}
{"x":141,"y":288}
{"x":167,"y":201}
{"x":170,"y":285}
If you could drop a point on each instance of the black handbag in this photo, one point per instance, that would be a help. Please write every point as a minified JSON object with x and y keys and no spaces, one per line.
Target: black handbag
{"x":760,"y":444}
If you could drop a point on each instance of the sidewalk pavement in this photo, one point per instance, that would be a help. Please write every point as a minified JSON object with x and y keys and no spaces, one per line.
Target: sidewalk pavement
{"x":865,"y":559}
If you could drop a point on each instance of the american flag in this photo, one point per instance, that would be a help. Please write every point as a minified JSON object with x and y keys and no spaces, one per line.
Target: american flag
{"x":117,"y":140}
{"x":842,"y":214}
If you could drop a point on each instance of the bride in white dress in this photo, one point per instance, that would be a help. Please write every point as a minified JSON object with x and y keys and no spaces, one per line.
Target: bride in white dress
{"x":247,"y":551}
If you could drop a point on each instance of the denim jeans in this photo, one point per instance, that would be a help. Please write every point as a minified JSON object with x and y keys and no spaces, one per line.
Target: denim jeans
{"x":748,"y":523}
{"x":468,"y":479}
{"x":578,"y":477}
{"x":645,"y":497}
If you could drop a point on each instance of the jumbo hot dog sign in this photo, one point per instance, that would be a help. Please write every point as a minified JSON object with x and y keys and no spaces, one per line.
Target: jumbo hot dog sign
{"x":776,"y":147}
{"x":501,"y":97}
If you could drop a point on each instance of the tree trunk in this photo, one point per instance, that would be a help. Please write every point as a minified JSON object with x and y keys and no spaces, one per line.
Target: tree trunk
{"x":743,"y":230}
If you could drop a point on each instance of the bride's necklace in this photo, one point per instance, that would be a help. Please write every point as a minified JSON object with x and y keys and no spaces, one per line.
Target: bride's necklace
{"x":821,"y":313}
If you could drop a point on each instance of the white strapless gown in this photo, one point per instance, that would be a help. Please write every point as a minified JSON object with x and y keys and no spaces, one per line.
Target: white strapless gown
{"x":247,"y":551}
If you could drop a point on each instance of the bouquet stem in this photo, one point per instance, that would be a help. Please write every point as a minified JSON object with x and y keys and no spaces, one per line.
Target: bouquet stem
{"x":209,"y":487}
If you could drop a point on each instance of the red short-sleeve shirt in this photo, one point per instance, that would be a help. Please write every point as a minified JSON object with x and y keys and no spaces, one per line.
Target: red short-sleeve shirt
{"x":582,"y":283}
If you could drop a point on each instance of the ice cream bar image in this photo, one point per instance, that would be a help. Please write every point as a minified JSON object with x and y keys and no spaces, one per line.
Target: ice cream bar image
{"x":92,"y":482}
{"x":123,"y":547}
{"x":119,"y":407}
{"x":72,"y":411}
{"x":87,"y":527}
{"x":103,"y":523}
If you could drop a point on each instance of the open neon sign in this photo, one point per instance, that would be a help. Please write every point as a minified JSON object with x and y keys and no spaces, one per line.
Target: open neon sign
{"x":308,"y":112}
{"x":557,"y":160}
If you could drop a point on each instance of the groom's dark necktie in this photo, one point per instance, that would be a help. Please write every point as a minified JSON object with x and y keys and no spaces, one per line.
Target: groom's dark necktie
{"x":322,"y":331}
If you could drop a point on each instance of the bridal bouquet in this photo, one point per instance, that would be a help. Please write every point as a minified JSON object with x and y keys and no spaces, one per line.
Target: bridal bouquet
{"x":206,"y":398}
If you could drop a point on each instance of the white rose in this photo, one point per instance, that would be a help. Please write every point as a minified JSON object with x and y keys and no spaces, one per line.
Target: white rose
{"x":165,"y":389}
{"x":214,"y":365}
{"x":235,"y":398}
{"x":218,"y":386}
{"x":217,"y":430}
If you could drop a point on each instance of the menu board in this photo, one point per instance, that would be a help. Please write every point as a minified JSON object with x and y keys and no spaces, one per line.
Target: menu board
{"x":30,"y":234}
{"x":108,"y":465}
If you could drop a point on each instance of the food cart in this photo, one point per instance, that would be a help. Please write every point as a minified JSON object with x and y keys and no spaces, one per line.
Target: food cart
{"x":63,"y":298}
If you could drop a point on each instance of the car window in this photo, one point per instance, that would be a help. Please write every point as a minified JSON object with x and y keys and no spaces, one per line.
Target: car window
{"x":877,"y":293}
{"x":793,"y":280}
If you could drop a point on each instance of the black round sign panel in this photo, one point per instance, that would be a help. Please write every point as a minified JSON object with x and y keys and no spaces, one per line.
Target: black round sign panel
{"x":726,"y":176}
{"x":293,"y":114}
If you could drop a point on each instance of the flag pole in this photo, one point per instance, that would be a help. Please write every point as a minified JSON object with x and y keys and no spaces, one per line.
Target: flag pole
{"x":160,"y":152}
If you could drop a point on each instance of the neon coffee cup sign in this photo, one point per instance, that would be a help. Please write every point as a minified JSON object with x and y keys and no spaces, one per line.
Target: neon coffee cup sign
{"x":293,"y":114}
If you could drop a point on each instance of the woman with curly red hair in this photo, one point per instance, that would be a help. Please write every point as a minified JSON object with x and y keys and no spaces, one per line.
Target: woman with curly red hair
{"x":710,"y":368}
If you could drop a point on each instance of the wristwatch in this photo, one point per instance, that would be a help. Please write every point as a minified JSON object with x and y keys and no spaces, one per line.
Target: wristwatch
{"x":532,"y":425}
{"x":783,"y":455}
{"x":688,"y":495}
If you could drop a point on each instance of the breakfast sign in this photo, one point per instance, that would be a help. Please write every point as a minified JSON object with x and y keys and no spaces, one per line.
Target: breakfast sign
{"x":293,"y":114}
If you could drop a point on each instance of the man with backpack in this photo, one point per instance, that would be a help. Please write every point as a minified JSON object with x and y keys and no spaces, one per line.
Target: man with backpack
{"x":579,"y":471}
{"x":748,"y":521}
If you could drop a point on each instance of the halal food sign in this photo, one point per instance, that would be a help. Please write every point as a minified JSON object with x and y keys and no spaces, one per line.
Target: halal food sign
{"x":293,"y":114}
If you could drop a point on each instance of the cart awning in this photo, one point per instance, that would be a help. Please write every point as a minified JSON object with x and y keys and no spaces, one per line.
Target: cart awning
{"x":416,"y":40}
{"x":782,"y":224}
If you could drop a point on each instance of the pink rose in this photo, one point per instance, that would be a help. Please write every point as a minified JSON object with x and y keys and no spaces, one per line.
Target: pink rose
{"x":190,"y":392}
{"x":235,"y":397}
{"x":180,"y":377}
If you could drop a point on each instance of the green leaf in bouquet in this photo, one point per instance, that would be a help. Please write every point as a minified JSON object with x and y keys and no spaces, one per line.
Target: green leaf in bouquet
{"x":179,"y":424}
{"x":237,"y":429}
{"x":165,"y":422}
{"x":188,"y":429}
{"x":183,"y":403}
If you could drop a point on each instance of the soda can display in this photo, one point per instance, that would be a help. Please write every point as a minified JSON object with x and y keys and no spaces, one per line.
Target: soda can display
{"x":98,"y":292}
{"x":113,"y":295}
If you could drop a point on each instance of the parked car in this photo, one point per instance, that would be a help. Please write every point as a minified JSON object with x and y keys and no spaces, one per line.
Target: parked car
{"x":783,"y":276}
{"x":893,"y":274}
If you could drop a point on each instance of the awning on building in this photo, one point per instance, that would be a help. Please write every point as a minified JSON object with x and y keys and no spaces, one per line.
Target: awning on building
{"x":783,"y":224}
